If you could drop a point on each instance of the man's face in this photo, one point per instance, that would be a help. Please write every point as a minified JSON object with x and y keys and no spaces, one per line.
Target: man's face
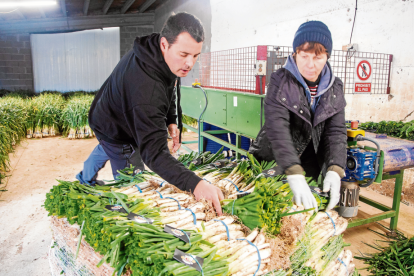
{"x":182,"y":55}
{"x":310,"y":65}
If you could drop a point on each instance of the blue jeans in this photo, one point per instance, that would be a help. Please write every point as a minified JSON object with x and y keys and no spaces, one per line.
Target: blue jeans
{"x":120,"y":156}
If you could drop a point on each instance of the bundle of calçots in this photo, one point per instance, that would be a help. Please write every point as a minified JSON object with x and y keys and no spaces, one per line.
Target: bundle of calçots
{"x":75,"y":117}
{"x":233,"y":176}
{"x":320,"y":249}
{"x":266,"y":205}
{"x":46,"y":111}
{"x":194,"y":160}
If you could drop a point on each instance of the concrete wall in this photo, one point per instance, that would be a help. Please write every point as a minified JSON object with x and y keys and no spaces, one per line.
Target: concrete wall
{"x":199,"y":8}
{"x":128,"y":35}
{"x":15,"y":62}
{"x":382,"y":26}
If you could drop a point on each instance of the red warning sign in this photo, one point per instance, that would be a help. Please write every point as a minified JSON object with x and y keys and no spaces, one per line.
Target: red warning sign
{"x":364,"y":70}
{"x":363,"y":87}
{"x":363,"y":75}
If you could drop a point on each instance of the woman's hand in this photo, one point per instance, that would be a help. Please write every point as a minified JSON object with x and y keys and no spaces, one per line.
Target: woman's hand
{"x":332,"y":182}
{"x":302,"y":194}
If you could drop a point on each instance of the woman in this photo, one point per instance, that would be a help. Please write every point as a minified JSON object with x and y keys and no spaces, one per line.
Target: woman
{"x":305,"y":117}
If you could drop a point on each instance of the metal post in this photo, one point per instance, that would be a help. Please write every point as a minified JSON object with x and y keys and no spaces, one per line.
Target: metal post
{"x":389,"y":74}
{"x":397,"y":199}
{"x":200,"y":137}
{"x":238,"y":145}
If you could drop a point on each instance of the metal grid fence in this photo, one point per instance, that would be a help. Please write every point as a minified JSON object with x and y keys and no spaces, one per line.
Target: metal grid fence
{"x":235,"y":69}
{"x":230,"y":69}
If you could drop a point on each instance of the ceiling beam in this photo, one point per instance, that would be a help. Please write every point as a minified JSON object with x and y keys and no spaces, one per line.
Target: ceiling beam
{"x":106,"y":6}
{"x":20,"y":14}
{"x":86,"y":6}
{"x":126,"y":6}
{"x":78,"y":23}
{"x":42,"y":13}
{"x":146,"y":5}
{"x":63,"y":7}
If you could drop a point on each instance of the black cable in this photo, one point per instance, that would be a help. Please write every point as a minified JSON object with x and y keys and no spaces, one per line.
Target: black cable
{"x":179,"y":110}
{"x":199,"y":118}
{"x":353,"y":24}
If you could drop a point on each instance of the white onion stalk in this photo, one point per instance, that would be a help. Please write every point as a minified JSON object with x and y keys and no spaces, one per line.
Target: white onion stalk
{"x":88,"y":132}
{"x":72,"y":133}
{"x":212,"y":177}
{"x":252,"y":269}
{"x":45,"y":131}
{"x":52,"y":130}
{"x":344,"y":269}
{"x":248,"y":257}
{"x":79,"y":133}
{"x":29,"y":133}
{"x":180,"y":223}
{"x":223,"y":236}
{"x":37,"y":132}
{"x":133,"y":189}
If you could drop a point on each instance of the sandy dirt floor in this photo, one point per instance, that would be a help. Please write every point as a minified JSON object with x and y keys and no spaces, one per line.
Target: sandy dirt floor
{"x":25,"y":235}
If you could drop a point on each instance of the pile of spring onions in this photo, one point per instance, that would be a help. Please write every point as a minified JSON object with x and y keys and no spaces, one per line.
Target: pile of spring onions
{"x":13,"y":116}
{"x":396,"y":257}
{"x":50,"y":113}
{"x":263,"y":232}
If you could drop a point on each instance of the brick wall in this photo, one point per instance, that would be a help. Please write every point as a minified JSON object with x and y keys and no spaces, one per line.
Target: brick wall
{"x":15,"y":62}
{"x":128,"y":35}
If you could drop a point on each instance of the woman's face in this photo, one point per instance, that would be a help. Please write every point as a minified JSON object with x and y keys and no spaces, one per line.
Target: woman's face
{"x":310,"y":65}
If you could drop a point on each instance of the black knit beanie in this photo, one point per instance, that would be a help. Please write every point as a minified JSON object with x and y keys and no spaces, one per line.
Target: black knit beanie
{"x":313,"y":31}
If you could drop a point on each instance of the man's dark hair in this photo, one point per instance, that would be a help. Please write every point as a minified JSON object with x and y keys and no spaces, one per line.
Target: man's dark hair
{"x":182,"y":22}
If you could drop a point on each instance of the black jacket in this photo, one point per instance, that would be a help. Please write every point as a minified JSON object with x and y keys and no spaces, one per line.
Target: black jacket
{"x":136,"y":104}
{"x":290,"y":126}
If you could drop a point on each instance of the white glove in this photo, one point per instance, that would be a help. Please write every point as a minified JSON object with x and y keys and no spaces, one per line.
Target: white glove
{"x":332,"y":183}
{"x":302,"y":194}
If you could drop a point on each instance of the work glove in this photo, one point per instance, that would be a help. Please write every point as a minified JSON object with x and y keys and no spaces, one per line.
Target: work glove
{"x":302,"y":194}
{"x":332,"y":183}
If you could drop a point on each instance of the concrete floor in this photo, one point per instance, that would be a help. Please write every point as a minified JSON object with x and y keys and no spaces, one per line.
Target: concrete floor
{"x":25,"y":234}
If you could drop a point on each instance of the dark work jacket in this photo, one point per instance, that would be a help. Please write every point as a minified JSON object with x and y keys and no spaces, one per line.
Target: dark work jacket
{"x":290,"y":126}
{"x":136,"y":104}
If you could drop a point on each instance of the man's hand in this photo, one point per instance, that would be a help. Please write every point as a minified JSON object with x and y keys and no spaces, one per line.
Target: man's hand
{"x":332,"y":182}
{"x":210,"y":193}
{"x":175,"y":134}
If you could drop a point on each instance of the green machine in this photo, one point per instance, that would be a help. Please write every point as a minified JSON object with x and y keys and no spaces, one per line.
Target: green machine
{"x":234,"y":112}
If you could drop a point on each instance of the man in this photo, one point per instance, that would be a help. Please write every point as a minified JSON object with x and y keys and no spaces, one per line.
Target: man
{"x":136,"y":106}
{"x":305,"y":117}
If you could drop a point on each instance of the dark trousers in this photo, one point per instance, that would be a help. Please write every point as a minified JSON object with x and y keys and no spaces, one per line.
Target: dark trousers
{"x":120,"y":156}
{"x":309,"y":162}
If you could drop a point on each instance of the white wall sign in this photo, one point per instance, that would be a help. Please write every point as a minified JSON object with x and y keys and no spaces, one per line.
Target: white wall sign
{"x":363,"y":75}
